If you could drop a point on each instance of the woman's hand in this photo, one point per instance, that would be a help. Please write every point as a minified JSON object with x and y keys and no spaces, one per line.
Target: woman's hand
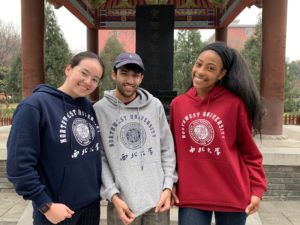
{"x":253,"y":206}
{"x":58,"y":212}
{"x":174,"y":198}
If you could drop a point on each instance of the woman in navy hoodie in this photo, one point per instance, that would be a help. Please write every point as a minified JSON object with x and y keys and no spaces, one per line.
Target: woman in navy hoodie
{"x":219,"y":165}
{"x":53,"y":156}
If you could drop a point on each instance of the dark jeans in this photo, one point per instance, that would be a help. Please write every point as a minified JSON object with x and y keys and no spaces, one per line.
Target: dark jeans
{"x":190,"y":216}
{"x":89,"y":215}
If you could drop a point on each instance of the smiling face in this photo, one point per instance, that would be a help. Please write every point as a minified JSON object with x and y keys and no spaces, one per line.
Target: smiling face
{"x":206,"y":72}
{"x":83,"y":78}
{"x":127,"y":83}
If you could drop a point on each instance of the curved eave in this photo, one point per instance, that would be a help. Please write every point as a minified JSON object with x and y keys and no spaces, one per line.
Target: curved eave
{"x":189,"y":14}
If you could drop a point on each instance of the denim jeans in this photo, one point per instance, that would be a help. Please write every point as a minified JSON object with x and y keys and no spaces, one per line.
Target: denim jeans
{"x":191,"y":216}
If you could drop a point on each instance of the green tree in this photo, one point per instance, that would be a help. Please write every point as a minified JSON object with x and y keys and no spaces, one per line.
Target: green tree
{"x":110,"y":51}
{"x":291,"y":94}
{"x":13,"y":79}
{"x":296,"y":68}
{"x":57,"y":52}
{"x":186,"y":48}
{"x":57,"y":55}
{"x":296,"y":71}
{"x":252,"y":55}
{"x":10,"y":46}
{"x":3,"y":74}
{"x":252,"y":52}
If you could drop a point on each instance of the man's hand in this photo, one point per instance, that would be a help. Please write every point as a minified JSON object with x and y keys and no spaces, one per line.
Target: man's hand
{"x":164,"y":202}
{"x":125,"y":214}
{"x":58,"y":212}
{"x":253,"y":206}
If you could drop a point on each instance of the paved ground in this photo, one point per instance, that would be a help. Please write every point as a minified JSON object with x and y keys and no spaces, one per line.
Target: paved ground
{"x":281,"y":150}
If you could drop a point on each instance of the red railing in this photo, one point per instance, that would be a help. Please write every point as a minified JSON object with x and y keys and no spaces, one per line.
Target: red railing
{"x":291,"y":119}
{"x":5,"y":121}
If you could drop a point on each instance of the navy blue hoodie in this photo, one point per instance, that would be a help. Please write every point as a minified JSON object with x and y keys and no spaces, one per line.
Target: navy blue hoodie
{"x":54,"y":150}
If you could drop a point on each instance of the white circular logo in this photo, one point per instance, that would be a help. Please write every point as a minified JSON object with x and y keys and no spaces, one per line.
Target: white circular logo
{"x":201,"y":131}
{"x":133,"y":135}
{"x":83,"y":131}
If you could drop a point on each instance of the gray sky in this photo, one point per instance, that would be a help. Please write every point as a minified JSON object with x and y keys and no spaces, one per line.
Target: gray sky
{"x":75,"y":31}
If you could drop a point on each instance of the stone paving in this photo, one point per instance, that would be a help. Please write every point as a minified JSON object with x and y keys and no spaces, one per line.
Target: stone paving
{"x":12,"y":207}
{"x":16,"y":211}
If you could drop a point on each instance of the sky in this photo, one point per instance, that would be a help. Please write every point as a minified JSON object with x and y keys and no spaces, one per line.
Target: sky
{"x":75,"y":32}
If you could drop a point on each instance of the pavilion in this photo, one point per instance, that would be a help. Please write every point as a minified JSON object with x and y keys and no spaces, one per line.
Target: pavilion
{"x":188,"y":14}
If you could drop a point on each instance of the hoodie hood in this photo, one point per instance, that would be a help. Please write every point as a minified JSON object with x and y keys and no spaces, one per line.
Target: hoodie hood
{"x":212,"y":94}
{"x":47,"y":89}
{"x":142,"y":100}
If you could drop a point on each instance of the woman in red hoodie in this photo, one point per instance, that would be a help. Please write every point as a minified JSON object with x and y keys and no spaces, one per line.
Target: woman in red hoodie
{"x":219,"y":165}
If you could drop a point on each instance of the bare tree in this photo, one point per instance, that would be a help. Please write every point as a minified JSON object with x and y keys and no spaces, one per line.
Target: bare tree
{"x":10,"y":43}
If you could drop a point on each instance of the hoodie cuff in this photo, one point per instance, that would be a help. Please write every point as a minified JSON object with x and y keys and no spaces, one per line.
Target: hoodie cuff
{"x":41,"y":199}
{"x":259,"y":192}
{"x":168,"y":183}
{"x":109,"y":193}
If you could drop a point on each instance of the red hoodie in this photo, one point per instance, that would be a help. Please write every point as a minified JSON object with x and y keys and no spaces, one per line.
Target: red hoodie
{"x":219,"y":165}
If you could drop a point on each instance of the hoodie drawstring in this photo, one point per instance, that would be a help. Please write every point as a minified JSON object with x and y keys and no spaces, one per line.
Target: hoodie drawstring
{"x":141,"y":138}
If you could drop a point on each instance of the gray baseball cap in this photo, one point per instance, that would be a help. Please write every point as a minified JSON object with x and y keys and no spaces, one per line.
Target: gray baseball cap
{"x":128,"y":58}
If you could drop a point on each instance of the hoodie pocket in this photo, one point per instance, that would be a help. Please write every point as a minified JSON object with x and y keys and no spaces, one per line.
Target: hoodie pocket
{"x":141,"y":189}
{"x":80,"y":185}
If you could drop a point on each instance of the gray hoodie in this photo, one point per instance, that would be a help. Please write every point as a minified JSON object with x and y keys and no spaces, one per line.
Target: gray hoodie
{"x":138,"y":161}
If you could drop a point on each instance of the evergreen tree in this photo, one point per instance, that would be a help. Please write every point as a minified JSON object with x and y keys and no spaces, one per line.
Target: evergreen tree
{"x":252,"y":52}
{"x":13,"y":80}
{"x":57,"y":53}
{"x":291,"y":93}
{"x":186,"y":48}
{"x":252,"y":55}
{"x":110,"y":51}
{"x":10,"y":46}
{"x":3,"y":74}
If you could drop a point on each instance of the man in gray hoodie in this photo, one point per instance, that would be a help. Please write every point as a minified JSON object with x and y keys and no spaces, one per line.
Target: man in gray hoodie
{"x":138,"y":160}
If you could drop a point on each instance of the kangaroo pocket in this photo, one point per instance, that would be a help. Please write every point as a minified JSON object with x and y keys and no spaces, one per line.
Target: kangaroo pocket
{"x":207,"y":183}
{"x":141,"y":189}
{"x":80,"y":185}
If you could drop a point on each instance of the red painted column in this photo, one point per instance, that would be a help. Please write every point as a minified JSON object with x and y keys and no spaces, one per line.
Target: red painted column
{"x":274,"y":17}
{"x":92,"y":45}
{"x":32,"y":25}
{"x":221,"y":34}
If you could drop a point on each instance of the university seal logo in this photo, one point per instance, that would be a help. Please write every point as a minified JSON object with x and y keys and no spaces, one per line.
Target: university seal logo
{"x":133,"y":135}
{"x":201,"y":131}
{"x":83,"y":131}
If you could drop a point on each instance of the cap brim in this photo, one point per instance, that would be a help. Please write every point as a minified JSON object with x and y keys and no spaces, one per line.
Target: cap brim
{"x":118,"y":65}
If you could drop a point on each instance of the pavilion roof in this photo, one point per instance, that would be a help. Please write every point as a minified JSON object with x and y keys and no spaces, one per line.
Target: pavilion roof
{"x":189,"y":14}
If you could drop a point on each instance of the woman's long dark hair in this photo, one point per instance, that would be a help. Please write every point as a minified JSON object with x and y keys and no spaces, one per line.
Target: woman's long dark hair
{"x":239,"y":81}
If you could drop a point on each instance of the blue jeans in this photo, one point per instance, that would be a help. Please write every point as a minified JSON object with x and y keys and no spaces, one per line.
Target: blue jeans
{"x":190,"y":216}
